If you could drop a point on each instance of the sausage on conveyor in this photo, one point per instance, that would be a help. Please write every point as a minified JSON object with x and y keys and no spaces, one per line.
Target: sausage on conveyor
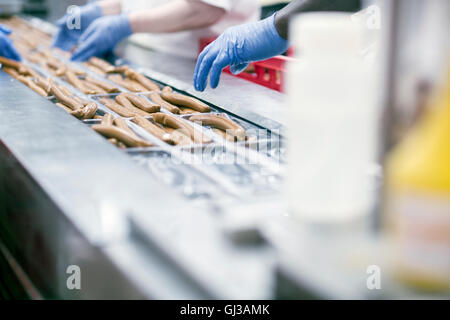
{"x":143,"y":80}
{"x":61,"y":71}
{"x":122,"y":124}
{"x":183,"y":101}
{"x":92,"y":87}
{"x":176,"y":123}
{"x":121,"y":135}
{"x":156,"y":98}
{"x":22,"y":48}
{"x":101,"y":64}
{"x":223,"y":134}
{"x":121,"y":145}
{"x":32,"y":85}
{"x":89,"y":110}
{"x":113,"y":141}
{"x":187,"y":111}
{"x":65,"y":91}
{"x":62,"y":106}
{"x":78,"y":113}
{"x":13,"y":64}
{"x":79,"y":100}
{"x":65,"y":99}
{"x":77,"y":71}
{"x":142,"y":103}
{"x":117,"y":78}
{"x":86,"y":112}
{"x":94,"y":69}
{"x":77,"y":83}
{"x":117,"y":143}
{"x":48,"y":54}
{"x":180,"y":138}
{"x":51,"y":62}
{"x":33,"y":57}
{"x":120,"y":69}
{"x":12,"y":72}
{"x":126,"y":103}
{"x":153,"y":129}
{"x":215,"y":121}
{"x":61,"y":52}
{"x":32,"y":43}
{"x":57,"y":68}
{"x":134,"y":84}
{"x":43,"y":83}
{"x":107,"y":119}
{"x":102,"y":84}
{"x":30,"y":72}
{"x":72,"y":96}
{"x":117,"y":108}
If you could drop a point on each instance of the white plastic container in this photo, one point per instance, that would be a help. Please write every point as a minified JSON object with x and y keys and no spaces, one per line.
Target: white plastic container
{"x":333,"y":98}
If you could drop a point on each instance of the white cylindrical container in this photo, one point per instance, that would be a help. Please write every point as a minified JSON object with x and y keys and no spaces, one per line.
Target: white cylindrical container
{"x":333,"y":97}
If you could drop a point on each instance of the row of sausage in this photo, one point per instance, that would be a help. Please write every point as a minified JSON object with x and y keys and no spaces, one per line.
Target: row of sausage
{"x":126,"y":92}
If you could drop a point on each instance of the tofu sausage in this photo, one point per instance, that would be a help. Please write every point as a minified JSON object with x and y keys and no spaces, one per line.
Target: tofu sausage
{"x":156,"y":98}
{"x":142,"y":103}
{"x":102,"y":84}
{"x":143,"y":80}
{"x":180,"y":125}
{"x":117,"y":108}
{"x":153,"y":129}
{"x":184,"y":101}
{"x":121,"y":135}
{"x":215,"y":121}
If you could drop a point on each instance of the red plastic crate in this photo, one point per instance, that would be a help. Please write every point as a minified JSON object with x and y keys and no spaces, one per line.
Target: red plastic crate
{"x":269,"y":73}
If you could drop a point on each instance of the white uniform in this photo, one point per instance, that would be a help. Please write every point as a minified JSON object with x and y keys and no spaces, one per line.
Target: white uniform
{"x":186,"y":43}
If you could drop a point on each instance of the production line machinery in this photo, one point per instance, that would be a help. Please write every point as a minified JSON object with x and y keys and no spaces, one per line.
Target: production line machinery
{"x":162,"y":222}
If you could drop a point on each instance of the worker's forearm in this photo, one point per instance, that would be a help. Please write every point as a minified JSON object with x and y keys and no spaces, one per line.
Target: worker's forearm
{"x":110,"y":7}
{"x":297,"y":6}
{"x":175,"y":16}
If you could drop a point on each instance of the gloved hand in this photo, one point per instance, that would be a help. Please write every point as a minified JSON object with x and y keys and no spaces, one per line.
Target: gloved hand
{"x":67,"y":38}
{"x":7,"y":49}
{"x":236,"y":47}
{"x":102,"y":36}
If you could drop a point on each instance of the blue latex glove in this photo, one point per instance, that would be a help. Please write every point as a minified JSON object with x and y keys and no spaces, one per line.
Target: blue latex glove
{"x":67,"y":38}
{"x":7,"y":49}
{"x":237,"y":47}
{"x":102,"y":36}
{"x":5,"y":29}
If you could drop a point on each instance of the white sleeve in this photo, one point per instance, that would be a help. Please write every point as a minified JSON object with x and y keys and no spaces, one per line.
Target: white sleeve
{"x":132,"y":5}
{"x":225,"y":4}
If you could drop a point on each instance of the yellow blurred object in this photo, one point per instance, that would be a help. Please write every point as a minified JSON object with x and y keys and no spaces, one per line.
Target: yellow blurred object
{"x":418,"y":199}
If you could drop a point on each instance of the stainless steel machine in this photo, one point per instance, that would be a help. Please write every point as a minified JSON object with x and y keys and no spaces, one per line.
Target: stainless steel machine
{"x":164,"y":222}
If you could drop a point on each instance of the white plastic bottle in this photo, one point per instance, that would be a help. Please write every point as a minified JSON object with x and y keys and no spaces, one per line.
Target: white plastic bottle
{"x":332,"y":126}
